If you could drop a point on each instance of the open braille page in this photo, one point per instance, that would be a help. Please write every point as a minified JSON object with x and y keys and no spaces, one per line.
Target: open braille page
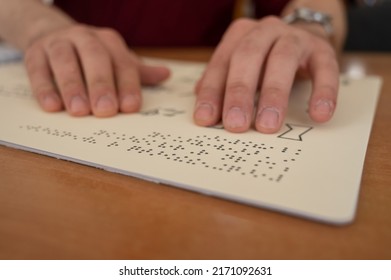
{"x":306,"y":169}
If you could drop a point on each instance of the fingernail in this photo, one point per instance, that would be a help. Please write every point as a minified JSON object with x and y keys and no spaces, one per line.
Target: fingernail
{"x":104,"y":104}
{"x":324,"y":107}
{"x":268,"y":118}
{"x":235,"y":118}
{"x":204,"y":112}
{"x":78,"y":105}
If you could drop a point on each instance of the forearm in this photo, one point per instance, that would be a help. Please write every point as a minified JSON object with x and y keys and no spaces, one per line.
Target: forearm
{"x":23,"y":21}
{"x":335,"y":8}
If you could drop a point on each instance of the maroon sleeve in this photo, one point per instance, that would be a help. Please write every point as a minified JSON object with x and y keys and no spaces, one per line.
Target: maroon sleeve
{"x":270,"y":7}
{"x":156,"y":22}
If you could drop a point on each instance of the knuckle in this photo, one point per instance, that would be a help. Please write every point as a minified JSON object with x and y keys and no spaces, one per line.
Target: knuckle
{"x":208,"y":90}
{"x":271,"y":20}
{"x":93,"y":46}
{"x":109,"y":33}
{"x":288,"y":45}
{"x":70,"y":86}
{"x":238,"y":88}
{"x":274,"y":90}
{"x":292,"y":39}
{"x":275,"y":94}
{"x":241,"y":24}
{"x":87,"y":38}
{"x":126,"y":66}
{"x":59,"y":48}
{"x":100,"y":83}
{"x":284,"y":52}
{"x":80,"y":29}
{"x":209,"y":93}
{"x":249,"y":45}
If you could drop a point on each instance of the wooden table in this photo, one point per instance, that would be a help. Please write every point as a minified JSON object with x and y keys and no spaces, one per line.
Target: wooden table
{"x":53,"y":209}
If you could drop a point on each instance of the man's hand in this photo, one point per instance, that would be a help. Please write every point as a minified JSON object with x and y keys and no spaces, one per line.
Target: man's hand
{"x":88,"y":70}
{"x":265,"y":55}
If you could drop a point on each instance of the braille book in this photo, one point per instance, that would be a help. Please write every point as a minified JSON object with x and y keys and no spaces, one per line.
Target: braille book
{"x":306,"y":169}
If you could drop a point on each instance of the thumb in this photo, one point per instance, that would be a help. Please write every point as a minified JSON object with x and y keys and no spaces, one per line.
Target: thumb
{"x":153,"y":75}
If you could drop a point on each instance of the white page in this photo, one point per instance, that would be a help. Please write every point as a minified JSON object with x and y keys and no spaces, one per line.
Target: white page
{"x":307,"y":169}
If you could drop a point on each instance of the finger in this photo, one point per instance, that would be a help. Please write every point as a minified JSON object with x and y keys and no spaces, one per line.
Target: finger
{"x":66,"y":69}
{"x":284,"y":60}
{"x":325,"y":74}
{"x":198,"y":84}
{"x":98,"y":72}
{"x":41,"y":79}
{"x":149,"y":75}
{"x":211,"y":87}
{"x":153,"y":75}
{"x":243,"y":78}
{"x":125,"y":67}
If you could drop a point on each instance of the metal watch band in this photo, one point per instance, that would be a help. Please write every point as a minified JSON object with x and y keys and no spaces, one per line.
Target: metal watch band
{"x":311,"y":16}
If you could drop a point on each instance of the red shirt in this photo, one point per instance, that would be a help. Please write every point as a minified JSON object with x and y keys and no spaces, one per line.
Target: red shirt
{"x":164,"y":23}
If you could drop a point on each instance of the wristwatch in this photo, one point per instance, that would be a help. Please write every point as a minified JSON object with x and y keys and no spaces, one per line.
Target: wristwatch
{"x":311,"y":16}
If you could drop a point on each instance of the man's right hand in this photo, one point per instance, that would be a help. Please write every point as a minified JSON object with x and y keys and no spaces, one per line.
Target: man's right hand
{"x":88,"y":70}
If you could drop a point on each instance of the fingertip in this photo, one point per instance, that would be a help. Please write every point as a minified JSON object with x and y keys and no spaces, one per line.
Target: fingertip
{"x":322,"y":110}
{"x":106,"y":106}
{"x":204,"y":114}
{"x":130,"y":103}
{"x":268,"y":120}
{"x":78,"y":106}
{"x":51,"y":103}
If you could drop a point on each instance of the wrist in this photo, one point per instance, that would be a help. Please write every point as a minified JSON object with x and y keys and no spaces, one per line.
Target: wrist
{"x":334,"y":8}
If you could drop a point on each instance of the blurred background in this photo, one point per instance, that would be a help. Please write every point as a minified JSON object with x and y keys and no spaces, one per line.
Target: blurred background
{"x":369,"y":25}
